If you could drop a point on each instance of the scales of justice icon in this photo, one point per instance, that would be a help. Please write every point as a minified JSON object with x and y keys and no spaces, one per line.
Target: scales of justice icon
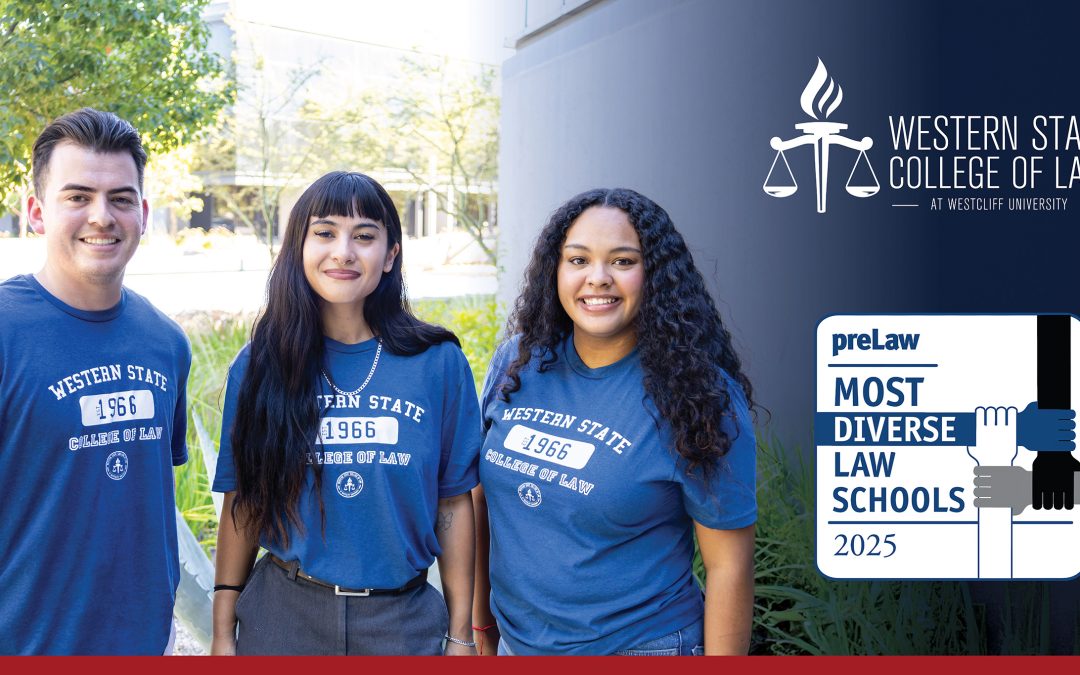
{"x":821,"y":99}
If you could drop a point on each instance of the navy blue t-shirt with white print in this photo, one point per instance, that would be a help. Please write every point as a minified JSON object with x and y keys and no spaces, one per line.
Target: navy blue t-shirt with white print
{"x":409,"y":438}
{"x":591,"y":515}
{"x":92,"y":420}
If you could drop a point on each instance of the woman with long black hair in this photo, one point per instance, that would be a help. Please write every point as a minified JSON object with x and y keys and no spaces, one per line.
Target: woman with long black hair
{"x":618,"y":426}
{"x":348,"y":450}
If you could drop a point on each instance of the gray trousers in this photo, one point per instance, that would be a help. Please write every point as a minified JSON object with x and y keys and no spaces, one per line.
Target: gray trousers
{"x":282,"y":616}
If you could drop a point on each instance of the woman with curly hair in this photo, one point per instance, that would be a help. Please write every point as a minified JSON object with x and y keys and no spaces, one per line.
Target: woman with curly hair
{"x":618,"y":426}
{"x":349,"y":444}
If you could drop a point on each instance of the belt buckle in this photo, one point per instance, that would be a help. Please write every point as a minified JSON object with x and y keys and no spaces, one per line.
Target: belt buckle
{"x":353,"y":594}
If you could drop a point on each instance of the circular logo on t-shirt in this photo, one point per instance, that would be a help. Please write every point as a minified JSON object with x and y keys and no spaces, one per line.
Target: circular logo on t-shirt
{"x":529,"y":494}
{"x":349,"y":484}
{"x":116,"y":465}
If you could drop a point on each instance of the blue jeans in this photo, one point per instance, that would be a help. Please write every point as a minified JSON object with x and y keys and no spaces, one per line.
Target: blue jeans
{"x":689,"y":641}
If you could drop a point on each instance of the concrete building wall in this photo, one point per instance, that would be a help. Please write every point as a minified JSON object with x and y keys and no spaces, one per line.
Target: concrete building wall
{"x":678,"y":100}
{"x":606,"y":98}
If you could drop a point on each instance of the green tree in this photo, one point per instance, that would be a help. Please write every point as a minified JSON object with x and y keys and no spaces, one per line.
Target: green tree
{"x":258,"y":150}
{"x":145,"y":60}
{"x":171,"y":183}
{"x":447,"y":120}
{"x":438,"y":128}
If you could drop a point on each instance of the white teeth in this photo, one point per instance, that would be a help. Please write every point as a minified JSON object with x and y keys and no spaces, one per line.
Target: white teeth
{"x":100,"y":240}
{"x":598,"y":301}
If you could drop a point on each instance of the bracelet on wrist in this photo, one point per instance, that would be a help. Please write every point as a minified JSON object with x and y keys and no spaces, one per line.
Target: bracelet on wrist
{"x":228,"y":587}
{"x":484,"y":629}
{"x":463,"y":643}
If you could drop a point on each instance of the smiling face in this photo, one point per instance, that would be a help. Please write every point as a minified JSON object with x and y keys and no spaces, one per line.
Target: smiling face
{"x":92,"y":215}
{"x":344,"y":259}
{"x":600,"y":279}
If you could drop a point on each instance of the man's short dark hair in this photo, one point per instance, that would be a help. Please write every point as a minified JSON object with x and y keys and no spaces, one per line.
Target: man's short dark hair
{"x":91,"y":129}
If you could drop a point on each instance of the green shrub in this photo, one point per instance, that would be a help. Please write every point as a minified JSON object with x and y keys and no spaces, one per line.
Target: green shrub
{"x":476,"y":320}
{"x":215,"y":340}
{"x":799,"y":611}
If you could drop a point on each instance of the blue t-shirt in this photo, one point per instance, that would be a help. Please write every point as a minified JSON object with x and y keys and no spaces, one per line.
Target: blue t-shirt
{"x":388,"y":454}
{"x":591,"y":515}
{"x":92,"y":420}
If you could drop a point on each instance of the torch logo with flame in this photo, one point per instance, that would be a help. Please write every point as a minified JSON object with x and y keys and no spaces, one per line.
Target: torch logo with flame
{"x":820,"y":98}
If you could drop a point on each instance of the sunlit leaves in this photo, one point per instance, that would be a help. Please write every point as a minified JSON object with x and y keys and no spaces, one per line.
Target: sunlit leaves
{"x":146,"y":61}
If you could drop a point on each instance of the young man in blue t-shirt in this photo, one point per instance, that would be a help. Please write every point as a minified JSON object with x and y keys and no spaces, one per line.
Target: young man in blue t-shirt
{"x":92,"y":412}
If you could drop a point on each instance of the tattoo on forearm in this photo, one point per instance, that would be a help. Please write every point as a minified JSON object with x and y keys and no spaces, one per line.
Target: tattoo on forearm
{"x":445,"y":519}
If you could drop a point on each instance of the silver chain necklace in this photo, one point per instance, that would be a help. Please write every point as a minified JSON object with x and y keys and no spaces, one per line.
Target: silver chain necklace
{"x":378,"y":352}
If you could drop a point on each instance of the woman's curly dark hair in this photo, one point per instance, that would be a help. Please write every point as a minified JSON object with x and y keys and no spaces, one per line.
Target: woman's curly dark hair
{"x":682,"y":342}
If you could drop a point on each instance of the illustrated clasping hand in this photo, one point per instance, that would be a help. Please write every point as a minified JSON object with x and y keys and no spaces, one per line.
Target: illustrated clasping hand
{"x":1046,"y":430}
{"x":1052,"y":480}
{"x":998,"y":484}
{"x":1011,"y":487}
{"x":995,"y":448}
{"x":1052,"y":434}
{"x":995,"y":436}
{"x":1002,"y":487}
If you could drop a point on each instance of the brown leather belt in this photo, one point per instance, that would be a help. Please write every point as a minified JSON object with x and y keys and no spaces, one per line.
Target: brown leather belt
{"x":293,"y":568}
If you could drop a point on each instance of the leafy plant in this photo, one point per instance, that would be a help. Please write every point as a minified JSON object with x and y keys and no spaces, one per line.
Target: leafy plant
{"x":215,"y":340}
{"x":146,"y":61}
{"x":475,"y":319}
{"x":799,"y":611}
